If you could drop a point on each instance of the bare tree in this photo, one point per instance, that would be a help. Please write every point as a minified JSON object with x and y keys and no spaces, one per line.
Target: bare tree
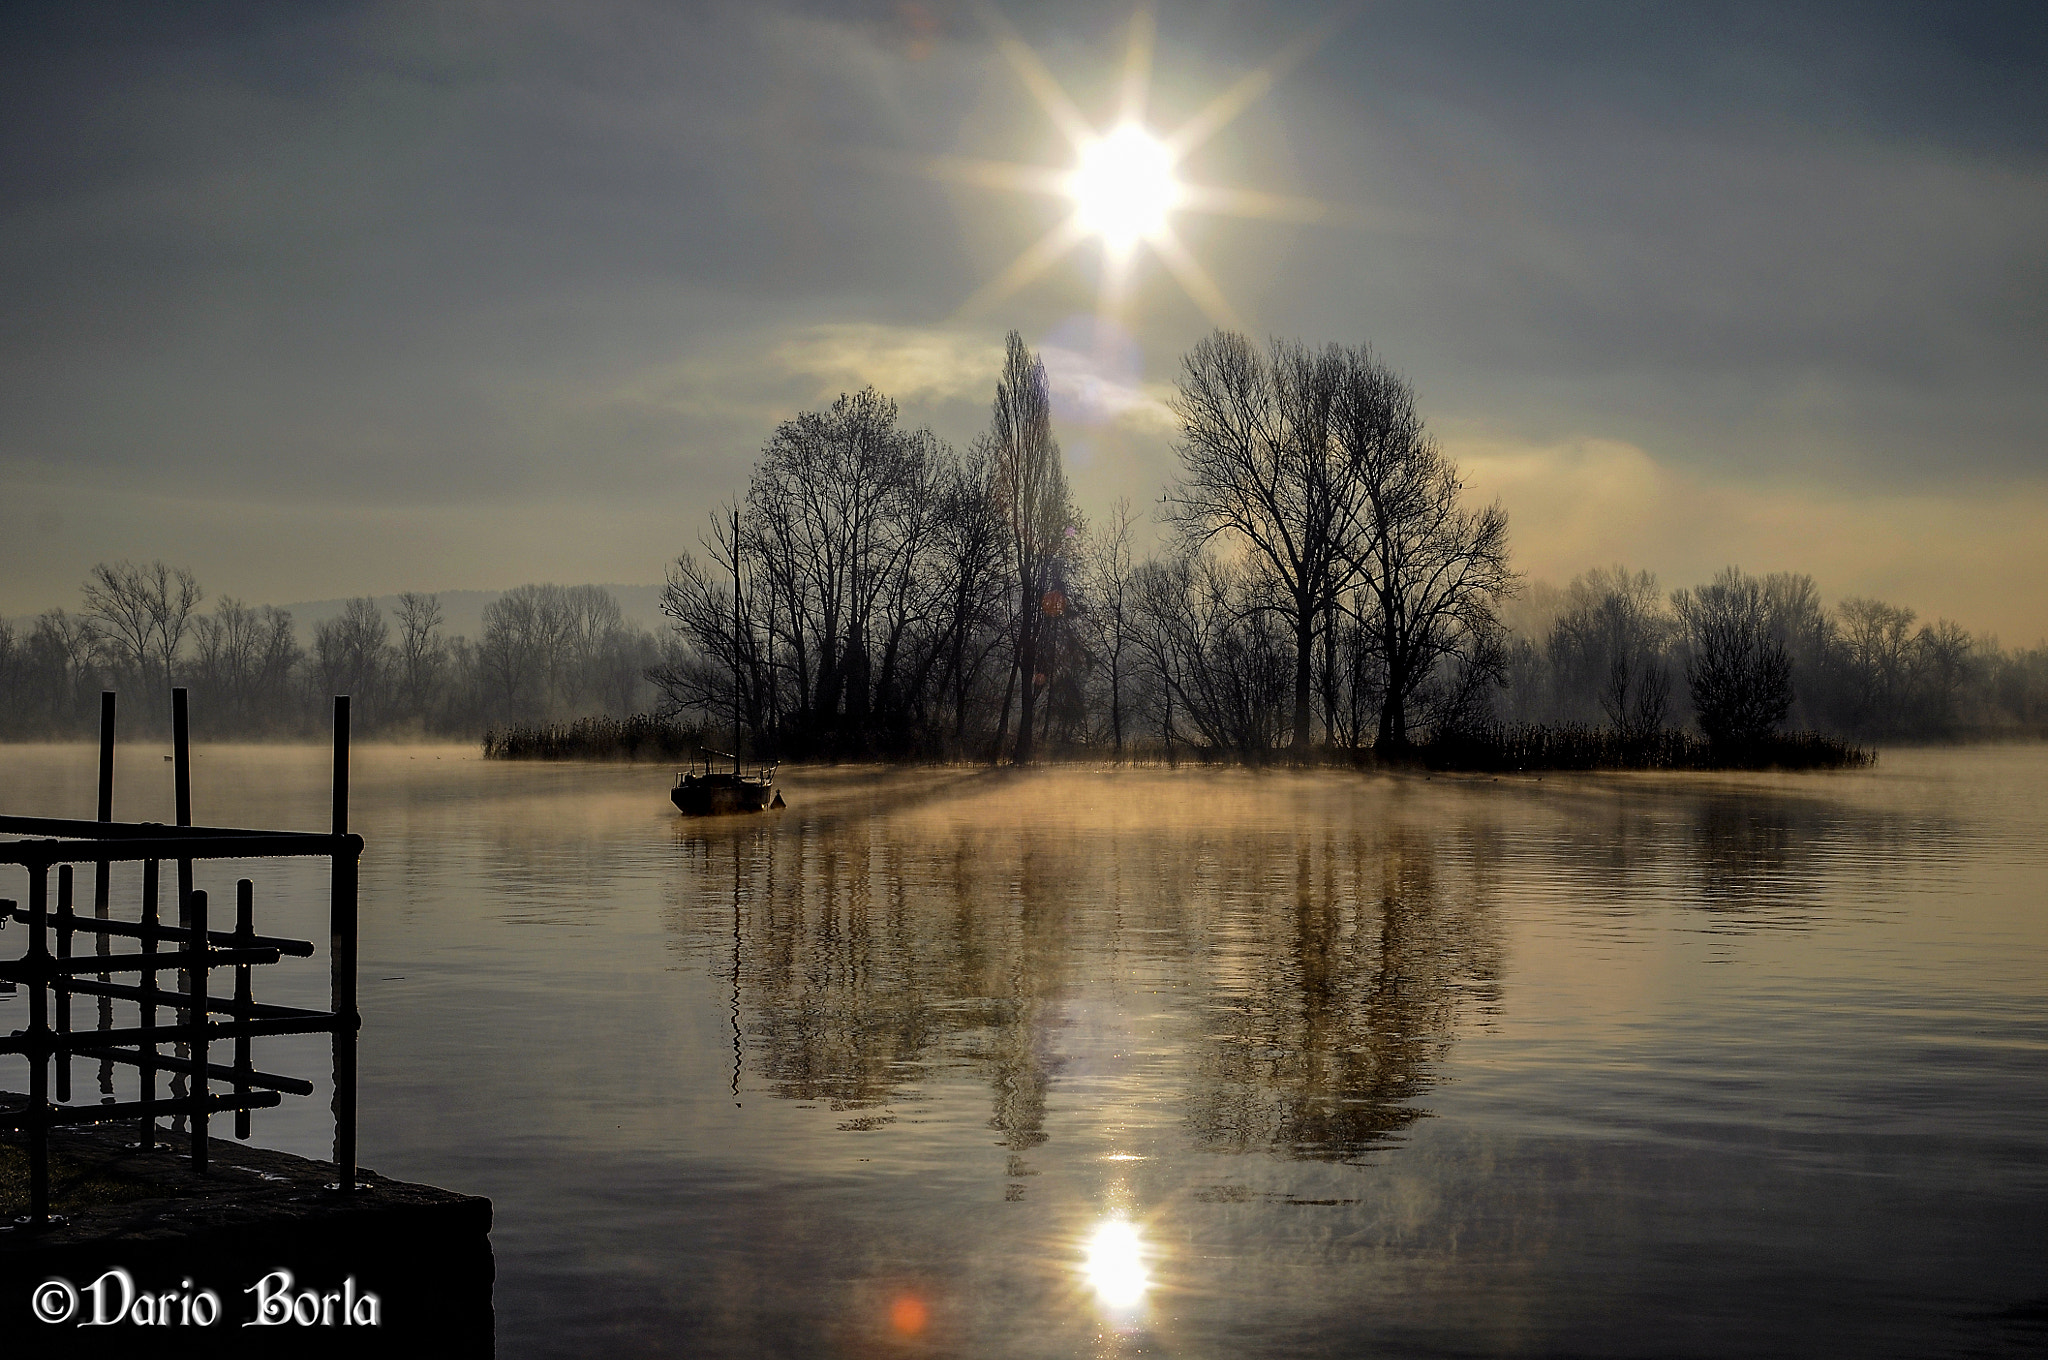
{"x":144,"y":612}
{"x":1031,"y":491}
{"x":1432,"y":572}
{"x":352,"y":655}
{"x":972,"y":552}
{"x":247,"y":666}
{"x":1208,"y":635}
{"x":1877,"y":642}
{"x":1263,"y":466}
{"x":1608,"y":644}
{"x":1943,"y":652}
{"x":59,"y":657}
{"x":1110,"y":572}
{"x":226,"y":658}
{"x":724,"y":641}
{"x":279,"y":658}
{"x":839,"y":511}
{"x":422,"y":656}
{"x":1739,"y":674}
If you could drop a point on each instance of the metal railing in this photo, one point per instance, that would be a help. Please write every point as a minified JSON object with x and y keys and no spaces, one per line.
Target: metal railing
{"x":197,"y":951}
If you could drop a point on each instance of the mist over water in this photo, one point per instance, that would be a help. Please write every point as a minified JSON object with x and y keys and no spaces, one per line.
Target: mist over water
{"x":1191,"y":1062}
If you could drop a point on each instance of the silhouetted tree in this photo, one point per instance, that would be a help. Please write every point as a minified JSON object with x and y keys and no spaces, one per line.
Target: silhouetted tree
{"x":1209,"y":633}
{"x":352,"y":655}
{"x":143,"y":612}
{"x":1110,"y":571}
{"x":1432,"y":572}
{"x":1607,"y":648}
{"x":245,"y":665}
{"x":839,"y":511}
{"x":1877,"y":643}
{"x":1030,"y":487}
{"x":422,"y":655}
{"x":1738,"y":673}
{"x":1264,"y":466}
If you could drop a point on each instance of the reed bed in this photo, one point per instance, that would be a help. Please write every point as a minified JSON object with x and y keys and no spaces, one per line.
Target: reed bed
{"x":1575,"y":747}
{"x":640,"y":737}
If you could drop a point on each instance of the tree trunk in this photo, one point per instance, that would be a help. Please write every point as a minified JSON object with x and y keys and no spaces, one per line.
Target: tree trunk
{"x":1027,"y":662}
{"x":1393,"y":733}
{"x":1116,"y":705}
{"x":1304,"y":673}
{"x":995,"y":754}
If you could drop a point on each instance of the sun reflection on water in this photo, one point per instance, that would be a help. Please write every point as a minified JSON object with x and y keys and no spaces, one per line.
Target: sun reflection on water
{"x":1115,"y":1265}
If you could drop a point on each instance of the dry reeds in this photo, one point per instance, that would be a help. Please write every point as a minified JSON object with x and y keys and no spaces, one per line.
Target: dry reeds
{"x":640,"y":737}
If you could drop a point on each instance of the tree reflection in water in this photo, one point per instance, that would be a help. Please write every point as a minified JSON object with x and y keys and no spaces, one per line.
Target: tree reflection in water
{"x":1341,"y":993}
{"x":1330,"y":966}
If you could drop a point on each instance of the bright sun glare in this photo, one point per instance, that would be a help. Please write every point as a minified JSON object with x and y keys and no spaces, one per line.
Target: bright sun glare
{"x":1124,"y":187}
{"x":1116,"y":1265}
{"x":1124,"y":184}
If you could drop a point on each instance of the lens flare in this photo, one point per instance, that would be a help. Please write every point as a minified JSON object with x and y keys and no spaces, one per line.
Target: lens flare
{"x":908,"y":1314}
{"x":1123,"y":187}
{"x":1115,"y":1265}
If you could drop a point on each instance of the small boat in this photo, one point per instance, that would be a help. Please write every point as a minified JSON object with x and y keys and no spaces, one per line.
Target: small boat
{"x":711,"y":793}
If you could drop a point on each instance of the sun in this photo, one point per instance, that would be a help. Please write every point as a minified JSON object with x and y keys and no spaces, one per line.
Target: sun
{"x":1123,"y":187}
{"x":1124,"y":183}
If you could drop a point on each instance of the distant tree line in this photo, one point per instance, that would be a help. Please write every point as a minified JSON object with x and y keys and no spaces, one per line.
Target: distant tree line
{"x":1743,"y":653}
{"x":1324,"y":588}
{"x":546,"y":653}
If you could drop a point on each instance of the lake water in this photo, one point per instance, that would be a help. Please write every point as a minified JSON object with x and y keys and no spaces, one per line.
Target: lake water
{"x":1190,"y":1062}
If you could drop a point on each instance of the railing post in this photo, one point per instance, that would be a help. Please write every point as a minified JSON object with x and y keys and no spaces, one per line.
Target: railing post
{"x":60,"y":995}
{"x":245,"y":936}
{"x":195,"y":1014}
{"x":342,"y":947}
{"x":101,"y":872}
{"x":39,"y":1059}
{"x":152,"y":874}
{"x":181,"y":783}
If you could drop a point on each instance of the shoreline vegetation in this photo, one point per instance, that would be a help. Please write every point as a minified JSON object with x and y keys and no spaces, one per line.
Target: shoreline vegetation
{"x":643,"y":736}
{"x":1321,"y":589}
{"x":1538,"y":746}
{"x":1530,"y":747}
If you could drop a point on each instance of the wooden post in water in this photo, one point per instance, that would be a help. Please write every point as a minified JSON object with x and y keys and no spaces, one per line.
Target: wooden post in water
{"x":245,"y":937}
{"x":181,"y":781}
{"x":181,"y":784}
{"x":102,"y":871}
{"x":152,"y":878}
{"x":342,"y":947}
{"x":60,"y":995}
{"x":195,"y":1015}
{"x":39,"y":1061}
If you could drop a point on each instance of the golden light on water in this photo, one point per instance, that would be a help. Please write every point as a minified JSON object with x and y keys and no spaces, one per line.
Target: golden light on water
{"x":1115,"y":1265}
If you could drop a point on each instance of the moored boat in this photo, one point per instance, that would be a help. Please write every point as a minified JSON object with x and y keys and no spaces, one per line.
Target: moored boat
{"x":711,"y":793}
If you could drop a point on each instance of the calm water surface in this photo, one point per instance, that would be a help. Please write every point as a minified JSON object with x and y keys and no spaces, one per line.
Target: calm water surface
{"x":945,"y":1062}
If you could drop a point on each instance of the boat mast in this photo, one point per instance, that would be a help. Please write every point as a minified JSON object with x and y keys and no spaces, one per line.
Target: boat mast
{"x":735,"y":639}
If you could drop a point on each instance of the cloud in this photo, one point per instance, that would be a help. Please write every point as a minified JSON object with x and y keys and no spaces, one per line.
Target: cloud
{"x":1755,"y":282}
{"x":1587,"y":502}
{"x":1097,"y":373}
{"x":930,"y":365}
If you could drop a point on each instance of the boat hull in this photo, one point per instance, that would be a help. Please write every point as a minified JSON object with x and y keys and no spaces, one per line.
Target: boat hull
{"x":697,"y":797}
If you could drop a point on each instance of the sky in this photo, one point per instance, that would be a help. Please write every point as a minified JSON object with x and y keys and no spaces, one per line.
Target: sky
{"x":332,"y":299}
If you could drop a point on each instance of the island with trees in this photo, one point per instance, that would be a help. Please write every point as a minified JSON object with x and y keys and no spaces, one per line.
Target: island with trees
{"x":1323,"y":588}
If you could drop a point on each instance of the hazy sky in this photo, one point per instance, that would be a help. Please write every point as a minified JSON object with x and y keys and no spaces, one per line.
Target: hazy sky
{"x":327,"y":299}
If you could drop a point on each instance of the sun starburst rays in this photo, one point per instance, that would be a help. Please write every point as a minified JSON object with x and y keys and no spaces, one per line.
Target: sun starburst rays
{"x":1124,"y":185}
